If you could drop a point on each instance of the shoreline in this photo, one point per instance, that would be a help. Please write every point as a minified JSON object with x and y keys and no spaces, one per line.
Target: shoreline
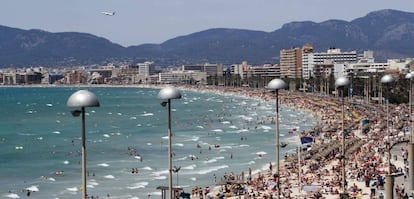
{"x":321,"y":169}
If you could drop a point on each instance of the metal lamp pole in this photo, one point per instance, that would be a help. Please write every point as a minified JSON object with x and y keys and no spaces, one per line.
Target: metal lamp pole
{"x":389,"y":192}
{"x":341,"y":83}
{"x":82,"y":99}
{"x":275,"y":85}
{"x":169,"y":93}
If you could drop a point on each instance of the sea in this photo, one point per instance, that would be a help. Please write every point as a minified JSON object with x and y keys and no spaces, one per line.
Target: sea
{"x":126,"y":141}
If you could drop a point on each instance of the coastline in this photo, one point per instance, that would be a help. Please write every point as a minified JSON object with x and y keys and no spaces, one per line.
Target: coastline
{"x":321,"y":170}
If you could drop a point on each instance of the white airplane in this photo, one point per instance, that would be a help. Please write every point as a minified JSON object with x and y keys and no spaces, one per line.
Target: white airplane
{"x":108,"y":13}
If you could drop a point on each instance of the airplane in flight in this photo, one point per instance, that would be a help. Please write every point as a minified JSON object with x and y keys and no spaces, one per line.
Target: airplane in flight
{"x":108,"y":13}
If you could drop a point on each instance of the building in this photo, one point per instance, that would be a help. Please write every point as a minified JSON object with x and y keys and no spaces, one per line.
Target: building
{"x":291,"y":63}
{"x":182,"y":77}
{"x":309,"y":60}
{"x":210,"y":69}
{"x":146,"y":69}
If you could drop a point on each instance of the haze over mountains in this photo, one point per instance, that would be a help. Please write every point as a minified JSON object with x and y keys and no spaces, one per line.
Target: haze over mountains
{"x":390,"y":33}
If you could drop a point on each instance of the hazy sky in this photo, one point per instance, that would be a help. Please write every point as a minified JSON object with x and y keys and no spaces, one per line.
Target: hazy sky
{"x":155,"y":21}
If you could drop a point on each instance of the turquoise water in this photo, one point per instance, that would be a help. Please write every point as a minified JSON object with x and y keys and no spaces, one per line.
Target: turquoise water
{"x":40,"y":141}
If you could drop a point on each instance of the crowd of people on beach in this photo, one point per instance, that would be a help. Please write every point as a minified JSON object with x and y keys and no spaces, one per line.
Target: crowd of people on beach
{"x":366,"y":150}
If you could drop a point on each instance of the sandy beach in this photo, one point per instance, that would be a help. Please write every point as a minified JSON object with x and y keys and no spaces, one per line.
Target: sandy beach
{"x":366,"y":154}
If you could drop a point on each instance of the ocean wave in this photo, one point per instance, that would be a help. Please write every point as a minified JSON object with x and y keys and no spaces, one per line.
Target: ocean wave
{"x":103,"y":165}
{"x":178,"y":144}
{"x":109,"y":177}
{"x":147,"y":168}
{"x":190,"y":167}
{"x":12,"y":195}
{"x":159,"y":173}
{"x":233,"y":127}
{"x":265,"y":127}
{"x":160,"y":177}
{"x":147,"y":114}
{"x":33,"y":188}
{"x":138,"y":185}
{"x":72,"y":189}
{"x":210,"y":170}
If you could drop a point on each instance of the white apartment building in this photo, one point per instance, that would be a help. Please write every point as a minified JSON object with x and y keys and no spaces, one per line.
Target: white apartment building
{"x":240,"y":69}
{"x":146,"y":69}
{"x":180,"y":76}
{"x":210,"y":69}
{"x":309,"y":60}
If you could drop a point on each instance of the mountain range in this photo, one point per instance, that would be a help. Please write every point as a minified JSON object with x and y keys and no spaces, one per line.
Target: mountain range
{"x":389,"y":33}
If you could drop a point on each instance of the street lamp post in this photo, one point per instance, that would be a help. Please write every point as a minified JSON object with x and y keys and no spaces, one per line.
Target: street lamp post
{"x":82,"y":99}
{"x":275,"y":85}
{"x":341,"y":83}
{"x":168,"y":94}
{"x":389,"y":181}
{"x":410,"y":76}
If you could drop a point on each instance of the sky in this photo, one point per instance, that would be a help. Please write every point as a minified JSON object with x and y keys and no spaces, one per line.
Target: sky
{"x":154,"y":21}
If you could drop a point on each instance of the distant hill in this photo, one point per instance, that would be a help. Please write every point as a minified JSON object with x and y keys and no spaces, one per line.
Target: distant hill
{"x":390,"y":33}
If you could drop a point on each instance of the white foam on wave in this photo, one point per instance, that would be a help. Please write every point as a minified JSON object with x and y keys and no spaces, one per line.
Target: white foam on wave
{"x":160,"y":177}
{"x":149,"y":144}
{"x":133,"y":118}
{"x":93,"y":183}
{"x":246,"y":118}
{"x":159,"y":173}
{"x":119,"y":113}
{"x":209,"y":170}
{"x":147,"y":168}
{"x":106,"y":135}
{"x":225,"y":122}
{"x":138,"y":185}
{"x":265,"y":127}
{"x":190,"y":167}
{"x":66,"y":162}
{"x":233,"y":127}
{"x":12,"y":195}
{"x":214,"y":159}
{"x":217,"y":130}
{"x":109,"y":177}
{"x":33,"y":188}
{"x":201,"y":127}
{"x":244,"y":145}
{"x":103,"y":165}
{"x":179,"y":144}
{"x":72,"y":189}
{"x":193,"y":179}
{"x":147,"y":114}
{"x":261,"y":153}
{"x":51,"y":179}
{"x":251,"y":162}
{"x":56,"y":132}
{"x":181,"y":159}
{"x":193,"y":138}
